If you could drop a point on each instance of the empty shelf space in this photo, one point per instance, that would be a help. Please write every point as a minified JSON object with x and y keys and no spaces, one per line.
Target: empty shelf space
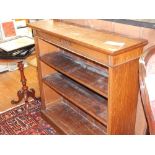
{"x":92,"y":77}
{"x":69,"y":121}
{"x":90,"y":102}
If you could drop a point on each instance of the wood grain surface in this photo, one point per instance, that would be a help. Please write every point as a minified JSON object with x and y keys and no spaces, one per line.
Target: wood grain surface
{"x":79,"y":83}
{"x":88,"y":37}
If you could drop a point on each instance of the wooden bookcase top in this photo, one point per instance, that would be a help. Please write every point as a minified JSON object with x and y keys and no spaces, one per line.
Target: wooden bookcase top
{"x":106,"y":42}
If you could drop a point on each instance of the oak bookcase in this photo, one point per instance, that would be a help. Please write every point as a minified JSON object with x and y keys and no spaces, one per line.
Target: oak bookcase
{"x":88,"y":79}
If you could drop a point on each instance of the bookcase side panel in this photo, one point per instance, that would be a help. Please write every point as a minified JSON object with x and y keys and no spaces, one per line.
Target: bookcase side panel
{"x":122,"y":98}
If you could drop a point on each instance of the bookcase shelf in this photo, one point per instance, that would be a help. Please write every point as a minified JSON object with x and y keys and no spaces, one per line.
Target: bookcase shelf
{"x":82,"y":97}
{"x":94,"y":78}
{"x":88,"y":79}
{"x":69,"y":121}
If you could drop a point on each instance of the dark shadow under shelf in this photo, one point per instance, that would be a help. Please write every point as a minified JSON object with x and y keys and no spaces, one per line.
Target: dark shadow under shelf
{"x":90,"y":102}
{"x":87,"y":75}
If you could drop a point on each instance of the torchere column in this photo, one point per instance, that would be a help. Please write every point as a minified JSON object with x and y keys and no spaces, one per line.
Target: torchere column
{"x":24,"y":93}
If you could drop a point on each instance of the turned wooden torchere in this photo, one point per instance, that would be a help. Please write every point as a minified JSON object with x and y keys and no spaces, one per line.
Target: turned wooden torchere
{"x":24,"y":93}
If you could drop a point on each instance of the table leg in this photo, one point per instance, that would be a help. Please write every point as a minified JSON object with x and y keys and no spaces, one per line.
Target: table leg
{"x":24,"y":93}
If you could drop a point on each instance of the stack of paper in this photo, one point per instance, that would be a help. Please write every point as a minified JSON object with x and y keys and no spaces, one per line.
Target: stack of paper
{"x":16,"y":43}
{"x":10,"y":67}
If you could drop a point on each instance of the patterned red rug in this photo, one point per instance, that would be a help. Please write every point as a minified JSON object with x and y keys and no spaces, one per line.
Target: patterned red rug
{"x":15,"y":122}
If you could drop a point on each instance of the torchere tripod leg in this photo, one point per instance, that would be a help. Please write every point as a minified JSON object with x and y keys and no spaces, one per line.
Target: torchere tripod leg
{"x":24,"y":93}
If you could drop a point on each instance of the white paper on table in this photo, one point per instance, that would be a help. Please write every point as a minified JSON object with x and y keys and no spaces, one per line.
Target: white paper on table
{"x":10,"y":66}
{"x":3,"y":68}
{"x":16,"y":43}
{"x":26,"y":31}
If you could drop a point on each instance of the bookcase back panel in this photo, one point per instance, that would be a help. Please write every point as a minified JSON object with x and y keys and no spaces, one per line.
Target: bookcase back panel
{"x":46,"y":70}
{"x":45,"y":47}
{"x":49,"y":96}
